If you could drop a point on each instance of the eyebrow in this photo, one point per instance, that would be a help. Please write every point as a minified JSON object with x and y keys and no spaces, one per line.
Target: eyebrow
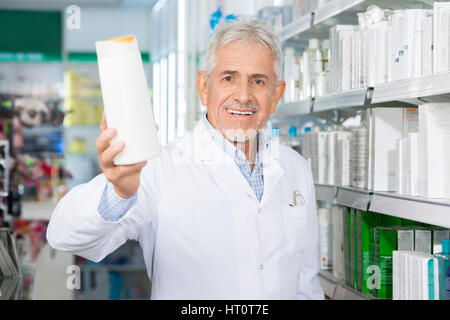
{"x":258,"y":75}
{"x":230,"y":72}
{"x":253,"y":76}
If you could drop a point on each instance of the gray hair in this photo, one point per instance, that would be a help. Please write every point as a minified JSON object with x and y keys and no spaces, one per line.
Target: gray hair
{"x":249,"y":31}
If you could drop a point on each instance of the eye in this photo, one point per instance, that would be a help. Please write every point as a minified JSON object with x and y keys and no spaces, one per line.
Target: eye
{"x":259,"y":82}
{"x":228,"y":78}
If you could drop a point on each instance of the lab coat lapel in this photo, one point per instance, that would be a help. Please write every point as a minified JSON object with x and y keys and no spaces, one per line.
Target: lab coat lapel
{"x":272,"y":169}
{"x":218,"y":163}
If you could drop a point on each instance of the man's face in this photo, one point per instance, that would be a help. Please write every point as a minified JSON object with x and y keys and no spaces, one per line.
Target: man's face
{"x":242,"y":90}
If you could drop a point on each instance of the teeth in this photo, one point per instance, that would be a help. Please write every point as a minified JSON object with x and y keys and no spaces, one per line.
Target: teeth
{"x":240,"y":112}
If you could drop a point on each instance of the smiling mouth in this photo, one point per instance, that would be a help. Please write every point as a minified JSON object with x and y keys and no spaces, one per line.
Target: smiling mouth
{"x":241,"y":113}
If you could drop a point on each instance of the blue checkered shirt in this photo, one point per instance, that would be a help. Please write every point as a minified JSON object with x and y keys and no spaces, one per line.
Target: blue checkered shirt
{"x":112,"y":207}
{"x":254,"y":177}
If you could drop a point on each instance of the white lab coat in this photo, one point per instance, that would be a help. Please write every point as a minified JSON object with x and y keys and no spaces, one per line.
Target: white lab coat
{"x":203,"y":232}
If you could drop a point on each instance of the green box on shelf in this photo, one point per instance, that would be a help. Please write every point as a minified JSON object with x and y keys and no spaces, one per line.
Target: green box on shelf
{"x":346,"y":225}
{"x":366,"y":221}
{"x":355,"y":251}
{"x":385,"y":239}
{"x":390,"y":221}
{"x":352,"y":248}
{"x":412,"y":223}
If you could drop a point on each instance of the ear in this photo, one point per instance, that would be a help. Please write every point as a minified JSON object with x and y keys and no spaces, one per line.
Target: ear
{"x":279,"y":91}
{"x":202,"y":87}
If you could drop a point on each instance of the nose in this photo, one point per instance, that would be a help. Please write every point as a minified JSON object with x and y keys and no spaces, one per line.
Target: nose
{"x":243,"y":93}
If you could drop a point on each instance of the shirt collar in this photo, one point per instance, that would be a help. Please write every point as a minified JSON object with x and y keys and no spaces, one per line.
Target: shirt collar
{"x":231,"y":149}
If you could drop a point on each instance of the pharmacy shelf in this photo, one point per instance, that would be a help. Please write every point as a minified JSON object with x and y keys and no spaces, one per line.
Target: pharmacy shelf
{"x":293,"y":109}
{"x":325,"y":192}
{"x":353,"y":198}
{"x":432,"y":88}
{"x":340,"y":12}
{"x":337,"y":290}
{"x":345,"y":99}
{"x":337,"y":11}
{"x":327,"y":102}
{"x":296,"y":27}
{"x":429,"y":211}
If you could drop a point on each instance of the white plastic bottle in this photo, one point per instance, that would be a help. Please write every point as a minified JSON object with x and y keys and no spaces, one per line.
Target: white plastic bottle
{"x":128,"y":108}
{"x":323,"y":78}
{"x":294,"y":142}
{"x":325,"y":246}
{"x":312,"y":59}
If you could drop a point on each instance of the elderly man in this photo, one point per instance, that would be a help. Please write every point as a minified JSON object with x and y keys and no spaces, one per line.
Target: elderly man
{"x":224,"y":212}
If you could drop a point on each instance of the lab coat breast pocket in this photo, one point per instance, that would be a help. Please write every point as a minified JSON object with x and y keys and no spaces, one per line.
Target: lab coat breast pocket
{"x":295,"y":228}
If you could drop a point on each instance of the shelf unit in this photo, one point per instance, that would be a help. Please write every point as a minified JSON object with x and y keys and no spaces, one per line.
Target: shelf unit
{"x":354,"y":98}
{"x":402,"y":206}
{"x":353,"y":198}
{"x":318,"y":23}
{"x":412,"y":208}
{"x":293,"y":109}
{"x":432,"y":88}
{"x":404,"y":92}
{"x":326,"y":192}
{"x":337,"y":290}
{"x":296,"y":27}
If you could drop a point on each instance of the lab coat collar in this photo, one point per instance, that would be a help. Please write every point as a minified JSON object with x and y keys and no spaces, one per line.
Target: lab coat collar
{"x":201,"y":148}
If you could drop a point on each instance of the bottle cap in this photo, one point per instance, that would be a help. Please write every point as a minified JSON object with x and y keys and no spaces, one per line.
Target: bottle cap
{"x":292,"y":131}
{"x":313,"y":44}
{"x":289,"y":51}
{"x":446,"y":246}
{"x":307,"y":129}
{"x":275,"y":132}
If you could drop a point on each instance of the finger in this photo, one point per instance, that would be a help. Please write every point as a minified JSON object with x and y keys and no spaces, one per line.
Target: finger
{"x":111,"y":152}
{"x":104,"y":139}
{"x":103,"y":124}
{"x":131,"y":168}
{"x":116,"y":173}
{"x":157,"y":127}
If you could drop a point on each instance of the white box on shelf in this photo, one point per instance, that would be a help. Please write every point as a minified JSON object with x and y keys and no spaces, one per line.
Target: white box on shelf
{"x":434,"y":133}
{"x":340,"y":43}
{"x":381,"y":45}
{"x":337,"y":231}
{"x":331,"y":157}
{"x":400,"y":172}
{"x":396,"y":274}
{"x":438,"y":236}
{"x":422,"y":240}
{"x":412,"y":42}
{"x":441,"y":33}
{"x":385,"y":128}
{"x":395,"y":41}
{"x":427,"y":43}
{"x":343,"y":158}
{"x":412,"y":157}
